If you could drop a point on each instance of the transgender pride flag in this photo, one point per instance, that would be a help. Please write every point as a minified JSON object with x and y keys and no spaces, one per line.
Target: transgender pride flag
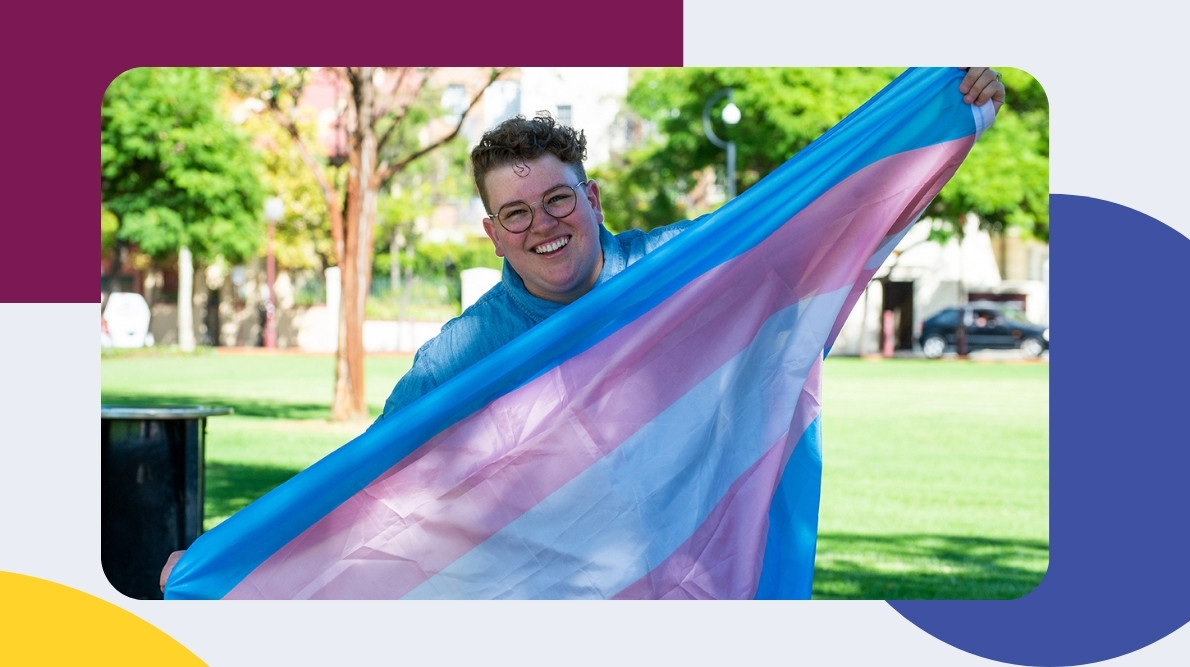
{"x":658,"y":438}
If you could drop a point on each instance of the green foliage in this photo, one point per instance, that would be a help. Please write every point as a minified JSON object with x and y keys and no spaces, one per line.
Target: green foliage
{"x":175,"y":170}
{"x":438,"y":179}
{"x":109,"y":224}
{"x":449,"y":258}
{"x":418,"y":298}
{"x":431,"y":274}
{"x":303,"y":239}
{"x":1004,"y":180}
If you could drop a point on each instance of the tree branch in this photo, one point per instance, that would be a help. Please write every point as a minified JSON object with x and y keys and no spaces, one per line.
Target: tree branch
{"x":387,"y":171}
{"x":399,"y":118}
{"x":330,"y":195}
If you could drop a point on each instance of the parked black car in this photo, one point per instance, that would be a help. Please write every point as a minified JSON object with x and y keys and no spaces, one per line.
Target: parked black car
{"x":989,"y":326}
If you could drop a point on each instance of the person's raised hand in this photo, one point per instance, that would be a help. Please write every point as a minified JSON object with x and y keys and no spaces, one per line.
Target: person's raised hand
{"x":981,"y":84}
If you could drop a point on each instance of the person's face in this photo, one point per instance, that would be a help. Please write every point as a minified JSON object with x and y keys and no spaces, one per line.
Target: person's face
{"x":558,"y":258}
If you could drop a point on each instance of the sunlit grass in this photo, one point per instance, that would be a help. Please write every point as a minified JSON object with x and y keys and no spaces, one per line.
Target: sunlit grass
{"x":935,"y":479}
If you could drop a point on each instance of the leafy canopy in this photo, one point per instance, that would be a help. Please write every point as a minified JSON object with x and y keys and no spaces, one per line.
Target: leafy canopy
{"x":175,"y":170}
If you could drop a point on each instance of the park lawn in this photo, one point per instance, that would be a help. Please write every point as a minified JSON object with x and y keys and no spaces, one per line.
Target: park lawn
{"x":935,"y":479}
{"x":935,"y":473}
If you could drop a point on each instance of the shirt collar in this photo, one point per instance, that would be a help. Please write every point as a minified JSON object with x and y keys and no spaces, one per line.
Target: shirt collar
{"x":615,"y":259}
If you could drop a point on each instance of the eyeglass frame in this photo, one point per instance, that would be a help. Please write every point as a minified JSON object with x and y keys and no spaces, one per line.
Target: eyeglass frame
{"x":496,"y":216}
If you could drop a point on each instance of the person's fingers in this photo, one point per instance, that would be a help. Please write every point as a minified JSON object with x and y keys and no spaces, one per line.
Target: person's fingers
{"x":970,"y":78}
{"x":981,"y":84}
{"x":169,"y":566}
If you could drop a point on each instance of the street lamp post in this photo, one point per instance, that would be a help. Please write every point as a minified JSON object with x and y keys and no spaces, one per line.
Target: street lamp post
{"x":274,"y":208}
{"x":731,"y":116}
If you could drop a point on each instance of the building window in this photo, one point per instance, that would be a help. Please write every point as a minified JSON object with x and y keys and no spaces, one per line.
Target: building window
{"x":565,"y":117}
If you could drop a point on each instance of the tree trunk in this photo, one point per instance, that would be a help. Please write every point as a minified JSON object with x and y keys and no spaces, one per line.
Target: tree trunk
{"x":111,"y":281}
{"x":350,"y":403}
{"x":185,"y":299}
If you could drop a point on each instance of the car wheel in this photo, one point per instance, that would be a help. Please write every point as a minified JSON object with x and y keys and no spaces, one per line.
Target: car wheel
{"x":933,"y":346}
{"x":1032,"y":348}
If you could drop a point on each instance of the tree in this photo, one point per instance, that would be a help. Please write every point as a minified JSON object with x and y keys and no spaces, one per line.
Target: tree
{"x":384,"y":121}
{"x":180,"y":178}
{"x":1004,"y":180}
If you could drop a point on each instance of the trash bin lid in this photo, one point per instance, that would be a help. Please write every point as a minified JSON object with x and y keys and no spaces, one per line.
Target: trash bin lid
{"x":161,"y":411}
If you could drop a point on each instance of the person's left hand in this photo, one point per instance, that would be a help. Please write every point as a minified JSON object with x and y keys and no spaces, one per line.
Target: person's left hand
{"x":980,"y":85}
{"x":170,"y":562}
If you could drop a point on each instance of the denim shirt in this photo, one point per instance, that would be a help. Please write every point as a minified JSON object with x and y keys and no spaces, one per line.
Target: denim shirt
{"x":505,"y":312}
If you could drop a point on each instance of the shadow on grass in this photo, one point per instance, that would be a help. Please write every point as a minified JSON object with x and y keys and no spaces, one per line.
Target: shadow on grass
{"x":926,"y":567}
{"x":239,"y":406}
{"x":231,"y":486}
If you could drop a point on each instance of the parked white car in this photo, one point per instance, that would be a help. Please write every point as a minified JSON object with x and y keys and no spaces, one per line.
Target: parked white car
{"x":125,"y":321}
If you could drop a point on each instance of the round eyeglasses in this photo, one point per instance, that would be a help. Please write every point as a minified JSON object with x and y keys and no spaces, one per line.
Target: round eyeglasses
{"x":559,"y":202}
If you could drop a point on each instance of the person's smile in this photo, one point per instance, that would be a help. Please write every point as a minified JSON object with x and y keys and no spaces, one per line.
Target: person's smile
{"x":551,"y":247}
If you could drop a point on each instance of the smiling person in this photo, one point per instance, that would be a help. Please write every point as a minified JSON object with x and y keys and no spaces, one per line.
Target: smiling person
{"x":545,"y":219}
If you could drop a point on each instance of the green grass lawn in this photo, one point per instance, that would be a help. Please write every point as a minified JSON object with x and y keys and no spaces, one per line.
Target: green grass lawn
{"x":935,"y":473}
{"x":935,"y":479}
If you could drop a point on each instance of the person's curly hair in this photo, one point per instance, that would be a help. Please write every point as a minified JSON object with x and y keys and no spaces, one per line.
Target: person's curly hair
{"x":520,"y":139}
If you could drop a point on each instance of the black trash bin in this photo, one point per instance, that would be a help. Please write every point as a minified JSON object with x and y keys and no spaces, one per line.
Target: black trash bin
{"x":151,"y":490}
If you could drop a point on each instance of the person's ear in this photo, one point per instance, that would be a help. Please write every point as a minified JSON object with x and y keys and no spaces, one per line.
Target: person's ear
{"x":489,"y":228}
{"x":593,"y":197}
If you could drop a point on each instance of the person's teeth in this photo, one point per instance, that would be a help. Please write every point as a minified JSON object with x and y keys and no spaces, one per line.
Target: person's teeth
{"x":552,"y":246}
